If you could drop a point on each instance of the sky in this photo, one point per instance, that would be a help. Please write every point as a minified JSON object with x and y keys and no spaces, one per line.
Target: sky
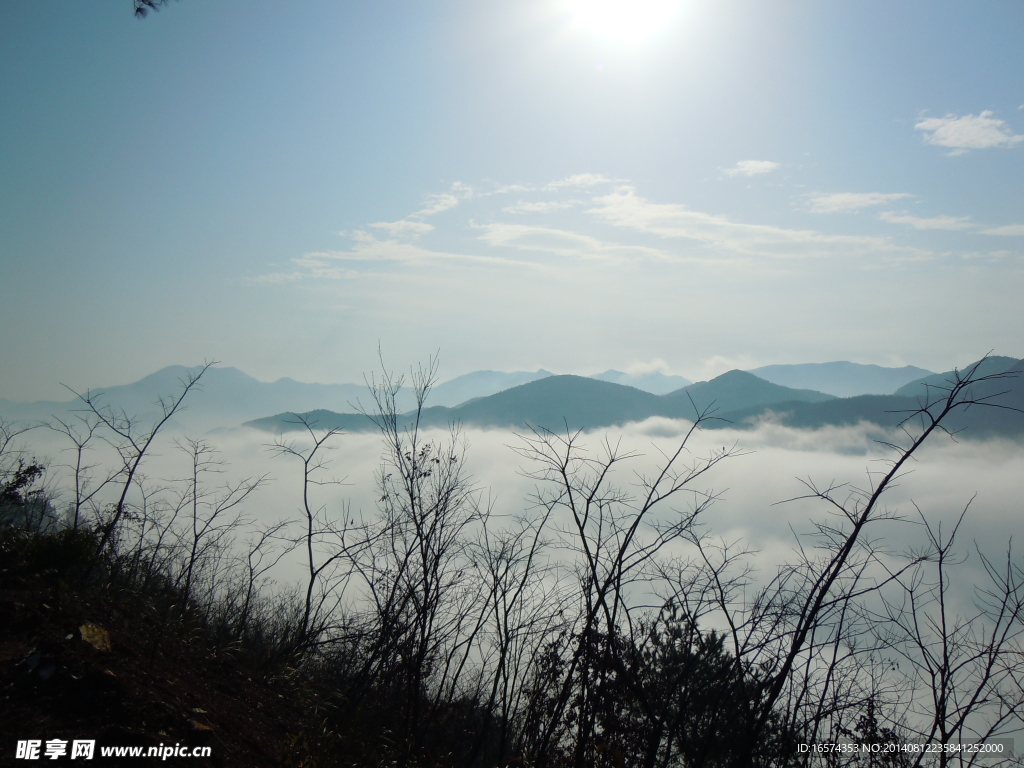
{"x":664,"y":185}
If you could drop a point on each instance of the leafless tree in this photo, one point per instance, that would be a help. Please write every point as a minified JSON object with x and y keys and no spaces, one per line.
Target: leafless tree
{"x":525,"y":604}
{"x":329,"y":544}
{"x":964,"y":670}
{"x":80,"y":431}
{"x":24,"y":503}
{"x":132,"y":441}
{"x":213,"y":517}
{"x":264,"y":549}
{"x":802,"y":628}
{"x":616,"y":536}
{"x":427,"y":607}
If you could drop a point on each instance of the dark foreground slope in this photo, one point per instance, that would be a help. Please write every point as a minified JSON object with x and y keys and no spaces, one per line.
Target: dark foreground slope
{"x":83,"y":660}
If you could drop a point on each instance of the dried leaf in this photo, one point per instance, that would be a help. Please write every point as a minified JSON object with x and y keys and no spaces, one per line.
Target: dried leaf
{"x":96,"y":636}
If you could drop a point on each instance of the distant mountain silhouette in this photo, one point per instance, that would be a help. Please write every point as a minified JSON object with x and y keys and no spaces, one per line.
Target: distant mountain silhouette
{"x":842,"y":379}
{"x":480,"y":384}
{"x":577,"y":402}
{"x":732,"y":391}
{"x":555,"y":402}
{"x":1005,"y":394}
{"x":226,"y":397}
{"x":656,"y":383}
{"x":540,"y":399}
{"x":989,"y":365}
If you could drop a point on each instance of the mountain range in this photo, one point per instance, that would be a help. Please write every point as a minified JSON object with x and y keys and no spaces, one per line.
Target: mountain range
{"x":228,"y":397}
{"x":736,"y":398}
{"x":540,"y":398}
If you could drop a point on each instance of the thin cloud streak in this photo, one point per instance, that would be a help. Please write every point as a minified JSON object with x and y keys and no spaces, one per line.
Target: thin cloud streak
{"x":1010,"y":230}
{"x":842,"y":202}
{"x":950,"y":223}
{"x":554,"y":228}
{"x":551,"y":206}
{"x":625,"y":208}
{"x":562,"y":242}
{"x":324,"y":265}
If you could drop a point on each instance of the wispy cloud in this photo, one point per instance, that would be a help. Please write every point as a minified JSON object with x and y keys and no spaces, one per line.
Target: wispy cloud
{"x":1013,"y":230}
{"x":562,"y":242}
{"x":585,"y":218}
{"x":935,"y":222}
{"x":445,"y":201}
{"x":542,"y":206}
{"x":987,"y":256}
{"x":625,"y":208}
{"x":642,"y":368}
{"x":368,"y":250}
{"x":751,"y":168}
{"x":841,"y":202}
{"x":964,"y":132}
{"x":404,"y":228}
{"x":413,"y":226}
{"x":579,"y":180}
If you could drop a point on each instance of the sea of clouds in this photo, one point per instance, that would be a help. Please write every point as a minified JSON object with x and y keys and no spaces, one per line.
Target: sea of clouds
{"x":760,"y":490}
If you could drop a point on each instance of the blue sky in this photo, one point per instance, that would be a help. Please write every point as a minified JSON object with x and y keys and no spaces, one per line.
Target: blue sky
{"x":516,"y":184}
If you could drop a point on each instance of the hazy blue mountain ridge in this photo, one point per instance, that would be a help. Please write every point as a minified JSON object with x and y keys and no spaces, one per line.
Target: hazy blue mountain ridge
{"x":576,"y":402}
{"x":734,"y":390}
{"x":228,"y":397}
{"x":480,"y":384}
{"x":656,"y":383}
{"x":841,"y":378}
{"x":985,"y":367}
{"x":224,"y":397}
{"x":1003,"y":417}
{"x":738,"y":398}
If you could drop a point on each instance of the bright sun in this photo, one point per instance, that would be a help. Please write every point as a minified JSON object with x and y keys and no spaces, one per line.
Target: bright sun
{"x":624,"y":20}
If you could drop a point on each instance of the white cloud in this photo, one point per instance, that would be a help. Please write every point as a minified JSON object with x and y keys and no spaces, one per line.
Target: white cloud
{"x":1013,"y":230}
{"x":404,"y":228}
{"x":368,"y":250}
{"x":549,"y":206}
{"x":990,"y":256}
{"x":579,"y":180}
{"x":935,"y":222}
{"x":560,"y":242}
{"x":625,"y":208}
{"x":445,"y":201}
{"x":657,"y":365}
{"x":840,"y":202}
{"x":752,"y":168}
{"x":968,"y":132}
{"x":647,"y":232}
{"x":719,"y":364}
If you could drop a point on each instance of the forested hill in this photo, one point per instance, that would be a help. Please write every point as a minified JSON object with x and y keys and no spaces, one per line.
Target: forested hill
{"x":736,"y":398}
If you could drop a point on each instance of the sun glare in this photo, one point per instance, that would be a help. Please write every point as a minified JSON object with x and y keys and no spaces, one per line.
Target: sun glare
{"x":623,"y":20}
